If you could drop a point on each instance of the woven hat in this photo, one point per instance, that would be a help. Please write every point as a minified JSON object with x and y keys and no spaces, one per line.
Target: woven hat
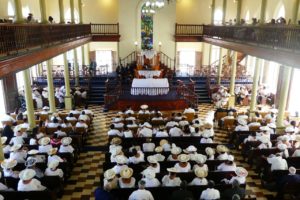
{"x":126,"y":172}
{"x":221,"y":149}
{"x":230,"y":158}
{"x":282,"y":147}
{"x":209,"y":151}
{"x":241,"y":172}
{"x":158,"y":149}
{"x":31,"y":161}
{"x":66,"y":140}
{"x":163,"y":142}
{"x":8,"y":163}
{"x":199,"y":158}
{"x":190,"y":149}
{"x":109,"y":174}
{"x":116,"y":141}
{"x":15,"y":147}
{"x":144,"y":107}
{"x":33,"y":152}
{"x":27,"y":174}
{"x":242,"y":121}
{"x":3,"y":140}
{"x":52,"y":151}
{"x":152,"y":159}
{"x":183,"y":158}
{"x":53,"y":164}
{"x":44,"y":141}
{"x":201,"y":173}
{"x":149,"y":173}
{"x":6,"y":118}
{"x":176,"y":150}
{"x":121,"y":159}
{"x":172,"y":169}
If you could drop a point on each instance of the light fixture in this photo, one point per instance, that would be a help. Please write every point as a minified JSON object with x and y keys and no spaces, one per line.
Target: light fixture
{"x":151,"y":6}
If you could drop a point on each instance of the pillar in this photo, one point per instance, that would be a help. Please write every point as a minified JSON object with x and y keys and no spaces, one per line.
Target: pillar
{"x":86,"y":54}
{"x":220,"y":67}
{"x":61,"y":12}
{"x":18,"y":11}
{"x":68,"y":98}
{"x":287,"y":71}
{"x":51,"y":97}
{"x":83,"y":56}
{"x":224,"y":11}
{"x":255,"y":85}
{"x":295,"y":11}
{"x":232,"y":80}
{"x":76,"y":68}
{"x":28,"y":99}
{"x":40,"y":69}
{"x":44,"y":19}
{"x":72,"y":8}
{"x":263,"y":11}
{"x":209,"y":55}
{"x":238,"y":12}
{"x":80,"y":11}
{"x":213,"y":5}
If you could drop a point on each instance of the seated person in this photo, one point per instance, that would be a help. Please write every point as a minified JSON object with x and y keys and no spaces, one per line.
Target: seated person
{"x":66,"y":145}
{"x":210,"y":152}
{"x":27,"y":181}
{"x":87,"y":111}
{"x":53,"y":124}
{"x":153,"y":164}
{"x":74,"y":111}
{"x":137,"y":157}
{"x":161,"y":132}
{"x":18,"y":139}
{"x":129,"y":111}
{"x":130,"y":117}
{"x":127,"y":133}
{"x":277,"y":162}
{"x":53,"y":157}
{"x":222,"y":150}
{"x":114,"y":132}
{"x":183,"y":166}
{"x":159,"y":157}
{"x":165,"y":145}
{"x":71,"y":117}
{"x":148,"y":146}
{"x":149,"y":178}
{"x":31,"y":164}
{"x":52,"y":169}
{"x":200,"y":178}
{"x":126,"y":180}
{"x":34,"y":154}
{"x":175,"y":132}
{"x":175,"y":151}
{"x":210,"y":193}
{"x":242,"y":125}
{"x":171,"y":180}
{"x":145,"y":132}
{"x":228,"y":165}
{"x":121,"y":161}
{"x":84,"y":117}
{"x":44,"y":145}
{"x":200,"y":162}
{"x":17,"y":153}
{"x":241,"y":174}
{"x":66,"y":123}
{"x":60,"y":133}
{"x":7,"y":165}
{"x":110,"y":180}
{"x":292,"y":177}
{"x":141,"y":193}
{"x":235,"y":190}
{"x":82,"y":124}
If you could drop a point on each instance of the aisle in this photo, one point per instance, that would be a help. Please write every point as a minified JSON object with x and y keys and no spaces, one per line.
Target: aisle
{"x":86,"y":174}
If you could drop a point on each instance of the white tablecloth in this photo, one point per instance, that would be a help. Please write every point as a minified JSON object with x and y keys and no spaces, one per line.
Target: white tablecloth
{"x":149,"y":54}
{"x":149,"y":73}
{"x":151,"y":87}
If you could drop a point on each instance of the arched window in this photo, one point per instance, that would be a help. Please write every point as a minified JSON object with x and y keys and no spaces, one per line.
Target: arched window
{"x":146,"y":28}
{"x":25,"y":11}
{"x":247,"y":17}
{"x":218,"y":17}
{"x":10,"y":9}
{"x":68,"y":16}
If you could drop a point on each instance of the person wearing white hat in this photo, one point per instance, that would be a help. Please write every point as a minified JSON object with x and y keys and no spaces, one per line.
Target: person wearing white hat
{"x":153,"y":164}
{"x":242,"y":125}
{"x":265,"y":142}
{"x":149,"y":178}
{"x":241,"y":174}
{"x":200,"y":162}
{"x":141,"y":193}
{"x":145,"y":131}
{"x":17,"y":153}
{"x":210,"y":152}
{"x":159,"y":157}
{"x":175,"y":151}
{"x":191,"y":151}
{"x":121,"y":161}
{"x":165,"y":144}
{"x":110,"y":180}
{"x":200,"y":178}
{"x":31,"y":164}
{"x":284,"y":139}
{"x":66,"y":146}
{"x":171,"y":180}
{"x":277,"y":162}
{"x":183,"y":166}
{"x":210,"y":193}
{"x":114,"y":132}
{"x":208,"y":129}
{"x":27,"y":181}
{"x":137,"y":156}
{"x":161,"y":132}
{"x":37,"y":97}
{"x":53,"y":157}
{"x":7,"y":165}
{"x":126,"y":180}
{"x":52,"y":169}
{"x":148,"y":146}
{"x":44,"y":145}
{"x":34,"y":154}
{"x":6,"y":148}
{"x":283,"y":150}
{"x":228,"y":165}
{"x":18,"y":139}
{"x":222,"y":150}
{"x":35,"y":138}
{"x":115,"y":143}
{"x":175,"y":132}
{"x":206,"y":138}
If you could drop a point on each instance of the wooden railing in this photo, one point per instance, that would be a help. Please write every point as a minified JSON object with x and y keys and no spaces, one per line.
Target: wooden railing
{"x":189,"y":29}
{"x":132,"y":57}
{"x":167,"y":61}
{"x":187,"y":92}
{"x":105,"y":29}
{"x":17,"y":37}
{"x":112,"y":92}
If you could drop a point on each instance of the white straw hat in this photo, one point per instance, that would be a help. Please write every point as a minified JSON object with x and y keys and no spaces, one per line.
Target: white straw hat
{"x":183,"y":158}
{"x":8,"y":163}
{"x":44,"y":141}
{"x":15,"y":147}
{"x":199,"y":158}
{"x":121,"y":159}
{"x":66,"y":140}
{"x":53,"y":164}
{"x":209,"y":151}
{"x":152,"y":159}
{"x":33,"y":152}
{"x":126,"y":172}
{"x":158,"y":149}
{"x":109,"y":174}
{"x":241,"y":172}
{"x":242,"y":121}
{"x":176,"y":150}
{"x":27,"y":174}
{"x":221,"y":148}
{"x":172,"y":169}
{"x":201,"y":173}
{"x":190,"y":149}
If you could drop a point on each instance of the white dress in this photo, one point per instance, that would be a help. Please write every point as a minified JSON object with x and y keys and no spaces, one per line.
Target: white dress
{"x":151,"y":182}
{"x":141,"y":194}
{"x":33,"y":185}
{"x":131,"y":184}
{"x":57,"y":172}
{"x":199,"y":181}
{"x":185,"y":169}
{"x":66,"y":149}
{"x":210,"y":193}
{"x":166,"y":181}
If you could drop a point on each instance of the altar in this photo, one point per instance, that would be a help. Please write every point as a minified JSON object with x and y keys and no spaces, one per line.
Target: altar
{"x":150,"y":87}
{"x":149,"y":73}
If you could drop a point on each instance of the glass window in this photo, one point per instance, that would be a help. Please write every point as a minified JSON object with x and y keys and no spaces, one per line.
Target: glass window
{"x":68,"y":16}
{"x":187,"y":61}
{"x":104,"y":61}
{"x":218,"y":17}
{"x":10,"y":9}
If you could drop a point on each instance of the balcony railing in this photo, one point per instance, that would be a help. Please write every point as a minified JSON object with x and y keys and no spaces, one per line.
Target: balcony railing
{"x":105,"y":29}
{"x":18,"y":37}
{"x":188,"y":29}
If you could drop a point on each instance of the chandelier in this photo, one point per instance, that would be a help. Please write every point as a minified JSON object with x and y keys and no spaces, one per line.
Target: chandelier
{"x":151,"y":6}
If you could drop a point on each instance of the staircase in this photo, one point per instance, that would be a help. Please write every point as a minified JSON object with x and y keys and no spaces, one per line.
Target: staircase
{"x":97,"y":90}
{"x":200,"y":87}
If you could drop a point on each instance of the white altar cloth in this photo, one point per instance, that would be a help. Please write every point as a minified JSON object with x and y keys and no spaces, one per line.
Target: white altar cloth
{"x":149,"y":73}
{"x":151,"y":87}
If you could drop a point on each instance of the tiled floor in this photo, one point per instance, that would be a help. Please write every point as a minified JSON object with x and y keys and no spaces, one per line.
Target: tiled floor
{"x":86,"y":174}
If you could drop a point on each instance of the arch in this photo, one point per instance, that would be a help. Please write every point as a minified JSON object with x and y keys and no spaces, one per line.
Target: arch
{"x":10,"y":9}
{"x":218,"y":15}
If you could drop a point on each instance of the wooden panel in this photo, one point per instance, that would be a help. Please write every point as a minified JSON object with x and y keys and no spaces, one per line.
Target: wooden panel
{"x":283,"y":57}
{"x":106,"y":38}
{"x":27,"y":60}
{"x":10,"y":89}
{"x":188,"y":38}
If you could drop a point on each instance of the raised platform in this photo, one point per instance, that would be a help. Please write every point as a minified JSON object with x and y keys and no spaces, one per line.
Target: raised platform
{"x":162,"y":102}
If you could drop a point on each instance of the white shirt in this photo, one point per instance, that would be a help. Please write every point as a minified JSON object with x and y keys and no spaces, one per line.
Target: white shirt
{"x":185,"y":169}
{"x":223,"y":156}
{"x":171,"y":124}
{"x":10,"y":173}
{"x":131,"y":184}
{"x":33,"y":185}
{"x":136,"y":160}
{"x":161,"y":134}
{"x":118,"y":168}
{"x":88,"y":112}
{"x":148,"y":147}
{"x":242,"y":128}
{"x":145,"y":132}
{"x":54,"y":158}
{"x":166,"y":181}
{"x":175,"y":132}
{"x":83,"y":117}
{"x":17,"y":140}
{"x":155,"y":169}
{"x":45,"y":149}
{"x":19,"y":156}
{"x":57,"y":172}
{"x":199,"y":181}
{"x":81,"y":124}
{"x":224,"y":167}
{"x":114,"y":132}
{"x":210,"y":194}
{"x":141,"y":194}
{"x":66,"y":149}
{"x":277,"y":163}
{"x":128,"y":134}
{"x":60,"y":133}
{"x":151,"y":182}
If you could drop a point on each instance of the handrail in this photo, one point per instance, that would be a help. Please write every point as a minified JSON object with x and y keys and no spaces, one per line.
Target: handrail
{"x":129,"y":59}
{"x":188,"y":29}
{"x":105,"y":29}
{"x":167,"y":61}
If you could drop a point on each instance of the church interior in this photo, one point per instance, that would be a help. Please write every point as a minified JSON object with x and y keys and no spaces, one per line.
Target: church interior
{"x":149,"y":99}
